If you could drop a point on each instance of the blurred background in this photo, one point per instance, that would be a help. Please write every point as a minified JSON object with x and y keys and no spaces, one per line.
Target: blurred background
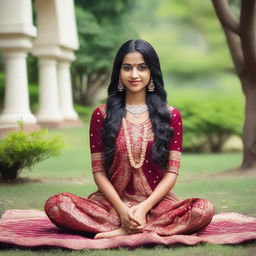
{"x":77,"y":40}
{"x":198,"y":71}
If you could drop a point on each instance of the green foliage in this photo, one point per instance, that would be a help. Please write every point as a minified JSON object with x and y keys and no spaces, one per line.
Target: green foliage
{"x":102,"y":28}
{"x":20,"y":150}
{"x":33,"y":70}
{"x":187,"y":36}
{"x":84,"y":112}
{"x":208,"y":120}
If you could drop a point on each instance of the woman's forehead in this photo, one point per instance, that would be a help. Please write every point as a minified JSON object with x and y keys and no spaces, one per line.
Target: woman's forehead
{"x":133,"y":58}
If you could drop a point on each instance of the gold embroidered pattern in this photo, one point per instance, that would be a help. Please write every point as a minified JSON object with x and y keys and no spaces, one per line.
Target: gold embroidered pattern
{"x":146,"y":188}
{"x":97,"y":156}
{"x":97,"y":162}
{"x":174,"y":155}
{"x":174,"y":161}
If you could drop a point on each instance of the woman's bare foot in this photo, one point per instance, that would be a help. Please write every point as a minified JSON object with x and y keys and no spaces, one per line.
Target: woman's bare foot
{"x":116,"y":232}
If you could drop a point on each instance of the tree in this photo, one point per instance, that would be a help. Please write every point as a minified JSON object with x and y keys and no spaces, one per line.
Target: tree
{"x":102,"y":28}
{"x":240,"y":36}
{"x":189,"y":43}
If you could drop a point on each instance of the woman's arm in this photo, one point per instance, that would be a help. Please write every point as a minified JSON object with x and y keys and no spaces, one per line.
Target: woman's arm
{"x":164,"y":186}
{"x":108,"y":190}
{"x":110,"y":193}
{"x":140,"y":210}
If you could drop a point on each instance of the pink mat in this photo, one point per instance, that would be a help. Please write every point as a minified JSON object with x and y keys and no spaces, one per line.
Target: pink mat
{"x":32,"y":228}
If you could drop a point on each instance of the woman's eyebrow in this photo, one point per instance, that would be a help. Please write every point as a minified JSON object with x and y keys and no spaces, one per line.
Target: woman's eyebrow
{"x":143,"y":63}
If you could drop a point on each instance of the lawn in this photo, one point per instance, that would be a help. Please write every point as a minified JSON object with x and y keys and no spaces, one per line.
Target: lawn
{"x":201,"y":176}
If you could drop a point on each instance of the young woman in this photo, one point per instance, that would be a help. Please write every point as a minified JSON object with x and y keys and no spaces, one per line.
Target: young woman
{"x":136,"y":145}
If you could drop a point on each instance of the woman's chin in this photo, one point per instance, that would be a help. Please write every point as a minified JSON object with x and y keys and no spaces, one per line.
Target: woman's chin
{"x":135,"y":89}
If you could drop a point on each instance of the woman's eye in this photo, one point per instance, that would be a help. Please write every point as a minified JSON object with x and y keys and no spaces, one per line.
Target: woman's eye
{"x":142,"y":67}
{"x":126,"y":68}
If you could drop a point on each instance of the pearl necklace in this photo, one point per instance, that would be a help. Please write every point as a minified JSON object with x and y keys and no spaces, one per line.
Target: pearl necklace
{"x":136,"y":110}
{"x":129,"y":149}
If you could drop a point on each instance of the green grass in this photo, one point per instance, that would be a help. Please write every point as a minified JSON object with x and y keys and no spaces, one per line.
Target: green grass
{"x":198,"y":250}
{"x":74,"y":162}
{"x":201,"y":176}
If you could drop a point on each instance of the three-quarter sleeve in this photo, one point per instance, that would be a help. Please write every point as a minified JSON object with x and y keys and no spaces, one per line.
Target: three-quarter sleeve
{"x":96,"y":145}
{"x":175,"y":144}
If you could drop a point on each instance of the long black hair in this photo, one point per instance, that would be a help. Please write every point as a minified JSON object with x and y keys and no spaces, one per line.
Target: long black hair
{"x":156,"y":101}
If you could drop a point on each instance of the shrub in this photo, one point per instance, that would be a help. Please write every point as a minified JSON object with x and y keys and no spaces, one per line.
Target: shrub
{"x":20,"y":150}
{"x":209,"y":120}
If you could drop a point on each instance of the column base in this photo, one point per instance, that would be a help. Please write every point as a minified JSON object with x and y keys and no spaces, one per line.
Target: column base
{"x":12,"y":118}
{"x":49,"y":118}
{"x":70,"y":115}
{"x":73,"y":123}
{"x":62,"y":124}
{"x":27,"y":127}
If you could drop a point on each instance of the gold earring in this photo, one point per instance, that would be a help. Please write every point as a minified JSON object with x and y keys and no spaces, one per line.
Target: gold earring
{"x":151,"y":86}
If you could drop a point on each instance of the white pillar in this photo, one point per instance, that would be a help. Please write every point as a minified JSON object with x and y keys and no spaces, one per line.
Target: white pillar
{"x":65,"y":91}
{"x":49,"y":110}
{"x":16,"y":101}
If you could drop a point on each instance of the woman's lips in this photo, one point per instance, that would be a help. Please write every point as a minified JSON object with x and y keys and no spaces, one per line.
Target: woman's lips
{"x":134,"y":82}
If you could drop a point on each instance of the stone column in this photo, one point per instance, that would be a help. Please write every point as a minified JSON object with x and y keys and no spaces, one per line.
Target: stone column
{"x":56,"y":40}
{"x":65,"y":91}
{"x":49,"y":110}
{"x":16,"y":33}
{"x":16,"y":101}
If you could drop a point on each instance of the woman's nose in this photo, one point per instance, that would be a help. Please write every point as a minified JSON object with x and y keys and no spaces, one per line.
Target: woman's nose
{"x":134,"y":73}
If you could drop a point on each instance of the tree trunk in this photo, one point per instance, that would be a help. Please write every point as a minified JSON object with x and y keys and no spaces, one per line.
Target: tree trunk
{"x":216,"y":141}
{"x":95,"y":82}
{"x":76,"y":86}
{"x":249,"y":91}
{"x":9,"y":173}
{"x":90,"y":94}
{"x":240,"y":35}
{"x":249,"y":129}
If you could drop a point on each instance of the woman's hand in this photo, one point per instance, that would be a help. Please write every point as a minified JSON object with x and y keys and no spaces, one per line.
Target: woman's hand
{"x":138,"y":212}
{"x":128,"y":221}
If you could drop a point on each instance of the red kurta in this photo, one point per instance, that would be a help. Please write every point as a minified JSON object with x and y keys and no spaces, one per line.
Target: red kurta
{"x":95,"y":214}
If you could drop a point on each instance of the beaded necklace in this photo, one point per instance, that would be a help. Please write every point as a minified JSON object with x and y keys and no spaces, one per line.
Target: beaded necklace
{"x":129,"y":149}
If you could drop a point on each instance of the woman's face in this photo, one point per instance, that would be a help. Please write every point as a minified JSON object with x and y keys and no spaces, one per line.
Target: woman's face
{"x":134,"y":72}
